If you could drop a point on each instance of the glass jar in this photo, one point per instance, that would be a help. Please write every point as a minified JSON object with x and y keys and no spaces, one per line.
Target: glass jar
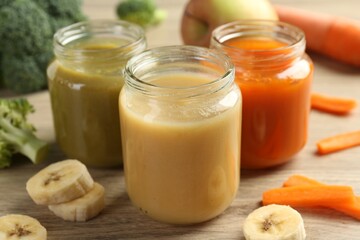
{"x":179,"y":113}
{"x":274,"y":75}
{"x":84,"y":82}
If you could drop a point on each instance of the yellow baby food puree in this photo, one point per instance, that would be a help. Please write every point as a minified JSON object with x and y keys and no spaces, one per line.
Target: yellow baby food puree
{"x":178,"y":170}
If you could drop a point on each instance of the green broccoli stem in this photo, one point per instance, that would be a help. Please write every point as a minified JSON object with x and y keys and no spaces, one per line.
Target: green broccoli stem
{"x":5,"y":154}
{"x":23,"y":141}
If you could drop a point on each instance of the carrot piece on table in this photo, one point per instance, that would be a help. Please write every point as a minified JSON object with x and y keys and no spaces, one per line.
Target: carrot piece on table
{"x":333,"y":36}
{"x":351,"y":209}
{"x":338,"y":142}
{"x":309,"y":196}
{"x":332,"y":104}
{"x":298,"y":180}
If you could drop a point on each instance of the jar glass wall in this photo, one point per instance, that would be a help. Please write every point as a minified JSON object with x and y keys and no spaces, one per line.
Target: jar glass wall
{"x":180,"y":112}
{"x":274,"y":75}
{"x":85,"y":80}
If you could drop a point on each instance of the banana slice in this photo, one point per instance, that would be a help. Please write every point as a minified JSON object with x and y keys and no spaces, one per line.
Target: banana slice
{"x":17,"y":227}
{"x":83,"y":208}
{"x":60,"y":182}
{"x":274,"y":222}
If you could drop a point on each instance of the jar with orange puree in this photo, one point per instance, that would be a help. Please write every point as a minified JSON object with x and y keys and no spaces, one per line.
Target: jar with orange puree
{"x":274,"y":75}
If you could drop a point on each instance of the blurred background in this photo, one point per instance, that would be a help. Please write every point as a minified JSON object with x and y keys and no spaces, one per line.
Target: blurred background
{"x":169,"y":31}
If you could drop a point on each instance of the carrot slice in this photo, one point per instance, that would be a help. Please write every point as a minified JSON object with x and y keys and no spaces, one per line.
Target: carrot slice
{"x":352,"y":209}
{"x":332,"y":104}
{"x":310,"y":196}
{"x":338,"y":142}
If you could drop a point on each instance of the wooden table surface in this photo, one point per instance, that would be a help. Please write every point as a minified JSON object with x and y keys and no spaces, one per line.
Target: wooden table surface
{"x":120,"y":220}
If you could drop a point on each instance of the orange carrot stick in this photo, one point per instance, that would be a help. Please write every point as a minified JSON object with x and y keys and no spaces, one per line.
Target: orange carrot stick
{"x":332,"y":104}
{"x":336,"y":37}
{"x":338,"y":142}
{"x":351,"y":209}
{"x":298,"y":180}
{"x":309,"y":196}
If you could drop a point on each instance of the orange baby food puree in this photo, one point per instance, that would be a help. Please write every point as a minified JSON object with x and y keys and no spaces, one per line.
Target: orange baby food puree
{"x":276,"y":100}
{"x":180,"y":171}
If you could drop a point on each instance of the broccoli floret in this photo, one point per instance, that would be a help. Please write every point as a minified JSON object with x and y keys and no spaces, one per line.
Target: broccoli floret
{"x":26,"y":33}
{"x":142,"y":12}
{"x":24,"y":28}
{"x":70,"y":9}
{"x":4,"y":3}
{"x":25,"y":74}
{"x":17,"y":134}
{"x":63,"y":13}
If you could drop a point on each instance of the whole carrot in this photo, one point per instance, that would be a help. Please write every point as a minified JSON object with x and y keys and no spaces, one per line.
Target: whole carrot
{"x":336,"y":37}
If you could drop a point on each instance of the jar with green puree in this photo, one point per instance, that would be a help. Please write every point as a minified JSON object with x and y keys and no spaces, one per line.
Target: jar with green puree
{"x":85,"y":80}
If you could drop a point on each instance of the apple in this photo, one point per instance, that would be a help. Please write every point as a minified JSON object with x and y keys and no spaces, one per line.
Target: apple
{"x":201,"y":17}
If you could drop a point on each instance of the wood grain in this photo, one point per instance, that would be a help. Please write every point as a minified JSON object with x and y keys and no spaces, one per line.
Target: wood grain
{"x":120,"y":220}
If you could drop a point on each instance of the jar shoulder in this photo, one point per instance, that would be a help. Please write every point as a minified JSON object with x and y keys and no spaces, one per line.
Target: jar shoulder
{"x":302,"y":68}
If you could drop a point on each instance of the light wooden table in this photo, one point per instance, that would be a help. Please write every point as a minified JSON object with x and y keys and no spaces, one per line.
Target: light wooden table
{"x":120,"y":220}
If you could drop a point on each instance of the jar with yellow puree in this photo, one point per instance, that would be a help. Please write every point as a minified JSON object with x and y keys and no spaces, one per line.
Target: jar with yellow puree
{"x":85,"y":80}
{"x":179,"y":113}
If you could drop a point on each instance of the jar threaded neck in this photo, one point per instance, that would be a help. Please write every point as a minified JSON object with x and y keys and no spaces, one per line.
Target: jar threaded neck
{"x":131,"y":35}
{"x":293,"y":40}
{"x":179,"y":59}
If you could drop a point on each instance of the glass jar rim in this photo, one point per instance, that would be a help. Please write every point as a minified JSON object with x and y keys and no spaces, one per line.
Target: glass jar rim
{"x":249,"y":24}
{"x":61,"y":36}
{"x":172,"y":54}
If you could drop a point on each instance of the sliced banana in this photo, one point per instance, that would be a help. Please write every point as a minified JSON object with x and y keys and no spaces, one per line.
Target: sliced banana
{"x":274,"y":222}
{"x":21,"y":227}
{"x":60,"y":182}
{"x":83,"y":208}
